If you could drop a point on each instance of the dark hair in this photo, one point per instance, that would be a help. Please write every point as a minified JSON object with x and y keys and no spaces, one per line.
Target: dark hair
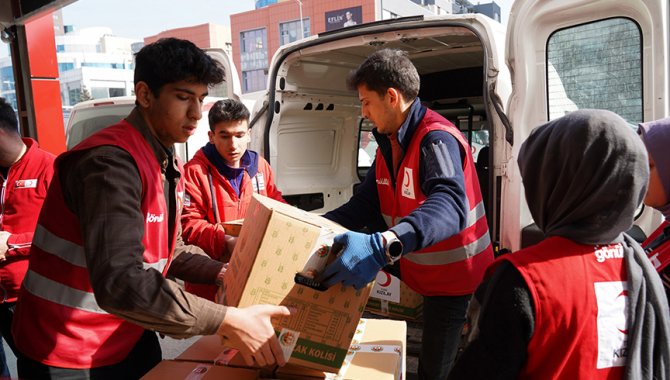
{"x":227,"y":110}
{"x":170,"y":60}
{"x":384,"y":69}
{"x":8,"y":120}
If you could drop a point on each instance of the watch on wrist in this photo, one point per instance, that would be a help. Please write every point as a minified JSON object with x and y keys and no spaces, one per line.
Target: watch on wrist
{"x":392,"y":247}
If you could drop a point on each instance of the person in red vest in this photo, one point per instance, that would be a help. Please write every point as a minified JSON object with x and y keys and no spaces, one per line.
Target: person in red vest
{"x":656,"y":138}
{"x":585,"y":302}
{"x":220,"y":181}
{"x":108,"y":237}
{"x":422,"y":195}
{"x":25,"y":173}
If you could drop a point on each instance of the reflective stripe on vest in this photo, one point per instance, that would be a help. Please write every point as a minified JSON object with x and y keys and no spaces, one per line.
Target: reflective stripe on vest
{"x":73,"y":253}
{"x":56,"y":292}
{"x":451,"y":256}
{"x":473,"y":216}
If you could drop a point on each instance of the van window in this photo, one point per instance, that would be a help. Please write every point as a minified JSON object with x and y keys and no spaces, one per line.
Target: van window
{"x":367,"y":147}
{"x":596,"y":65}
{"x":87,"y":121}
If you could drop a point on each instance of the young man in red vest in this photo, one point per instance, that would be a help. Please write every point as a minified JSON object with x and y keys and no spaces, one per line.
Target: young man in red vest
{"x":656,"y":138}
{"x":96,"y":291}
{"x":585,"y":302}
{"x":25,"y":173}
{"x":422,"y":191}
{"x":220,"y":181}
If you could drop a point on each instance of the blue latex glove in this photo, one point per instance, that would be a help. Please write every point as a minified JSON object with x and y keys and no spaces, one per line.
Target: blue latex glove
{"x":361,"y":258}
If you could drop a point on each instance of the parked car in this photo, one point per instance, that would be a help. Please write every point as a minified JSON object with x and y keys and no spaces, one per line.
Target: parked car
{"x":495,"y":84}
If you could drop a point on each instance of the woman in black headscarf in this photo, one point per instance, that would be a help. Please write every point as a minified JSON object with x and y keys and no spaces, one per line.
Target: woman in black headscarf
{"x":584,"y":302}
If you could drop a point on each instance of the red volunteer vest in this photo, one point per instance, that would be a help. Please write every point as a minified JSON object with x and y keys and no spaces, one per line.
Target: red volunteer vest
{"x":58,"y":321}
{"x":579,"y":294}
{"x":660,"y":255}
{"x":451,"y":267}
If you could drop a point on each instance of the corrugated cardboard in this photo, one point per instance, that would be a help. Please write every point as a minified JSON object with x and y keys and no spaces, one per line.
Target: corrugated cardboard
{"x":169,"y":369}
{"x":377,"y":352}
{"x":209,"y":350}
{"x":233,"y":227}
{"x":276,"y":242}
{"x":389,"y":288}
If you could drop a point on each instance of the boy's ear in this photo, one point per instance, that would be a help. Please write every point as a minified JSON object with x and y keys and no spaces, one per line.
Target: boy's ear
{"x":143,"y":94}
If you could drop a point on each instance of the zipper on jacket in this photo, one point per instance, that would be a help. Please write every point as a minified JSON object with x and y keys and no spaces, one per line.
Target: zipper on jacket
{"x":2,"y":198}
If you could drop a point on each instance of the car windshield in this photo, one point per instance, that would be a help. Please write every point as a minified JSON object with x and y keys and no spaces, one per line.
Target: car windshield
{"x":87,"y":121}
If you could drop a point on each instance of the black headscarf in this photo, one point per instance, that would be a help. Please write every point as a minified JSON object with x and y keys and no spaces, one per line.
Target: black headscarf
{"x":584,"y":175}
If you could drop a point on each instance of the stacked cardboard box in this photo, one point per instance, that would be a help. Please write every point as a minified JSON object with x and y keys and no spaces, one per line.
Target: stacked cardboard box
{"x":169,"y":369}
{"x":391,"y":297}
{"x":276,"y":242}
{"x":377,"y":352}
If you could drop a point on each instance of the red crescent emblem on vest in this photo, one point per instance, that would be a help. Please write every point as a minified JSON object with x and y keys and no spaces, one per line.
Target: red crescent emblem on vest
{"x":624,"y":293}
{"x":387,"y":282}
{"x":405,"y":181}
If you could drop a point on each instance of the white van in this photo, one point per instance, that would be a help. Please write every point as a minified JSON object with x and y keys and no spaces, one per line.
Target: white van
{"x":91,"y":116}
{"x":496,"y":85}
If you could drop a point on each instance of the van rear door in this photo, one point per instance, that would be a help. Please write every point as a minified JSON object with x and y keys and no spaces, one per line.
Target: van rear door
{"x":574,"y":54}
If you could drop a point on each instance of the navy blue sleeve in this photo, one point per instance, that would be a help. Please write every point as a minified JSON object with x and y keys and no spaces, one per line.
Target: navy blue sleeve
{"x":362,"y":210}
{"x":444,"y":213}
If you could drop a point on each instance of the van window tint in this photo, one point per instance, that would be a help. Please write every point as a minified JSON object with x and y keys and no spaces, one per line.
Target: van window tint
{"x":596,"y":65}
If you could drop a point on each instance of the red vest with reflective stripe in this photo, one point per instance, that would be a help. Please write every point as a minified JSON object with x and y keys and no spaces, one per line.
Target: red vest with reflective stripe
{"x":579,"y":294}
{"x":58,"y":321}
{"x":451,"y":267}
{"x":660,"y":256}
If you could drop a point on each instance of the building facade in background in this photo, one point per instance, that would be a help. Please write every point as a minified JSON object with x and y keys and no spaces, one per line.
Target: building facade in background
{"x":204,"y":36}
{"x":93,"y":63}
{"x":257,"y":34}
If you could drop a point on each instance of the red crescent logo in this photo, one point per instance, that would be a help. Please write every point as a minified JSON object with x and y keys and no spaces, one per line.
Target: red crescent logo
{"x":387,"y":282}
{"x":623,"y":293}
{"x":405,"y":182}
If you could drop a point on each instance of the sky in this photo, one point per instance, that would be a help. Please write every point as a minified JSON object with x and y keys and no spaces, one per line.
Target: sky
{"x":141,"y":18}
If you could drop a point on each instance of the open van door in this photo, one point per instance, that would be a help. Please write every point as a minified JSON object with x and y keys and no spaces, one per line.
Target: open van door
{"x":309,"y":124}
{"x":573,"y":54}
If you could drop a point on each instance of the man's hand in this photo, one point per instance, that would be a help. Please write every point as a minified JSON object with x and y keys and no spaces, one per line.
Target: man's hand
{"x":249,"y":330}
{"x":4,"y":235}
{"x":361,"y":258}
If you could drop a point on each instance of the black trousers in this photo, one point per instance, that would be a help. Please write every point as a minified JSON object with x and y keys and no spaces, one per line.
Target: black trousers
{"x":142,"y":358}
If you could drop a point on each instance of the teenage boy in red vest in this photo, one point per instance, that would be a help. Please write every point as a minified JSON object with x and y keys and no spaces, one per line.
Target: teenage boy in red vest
{"x":25,"y":174}
{"x":422,"y":191}
{"x":585,"y":302}
{"x":96,"y":291}
{"x":220,"y":181}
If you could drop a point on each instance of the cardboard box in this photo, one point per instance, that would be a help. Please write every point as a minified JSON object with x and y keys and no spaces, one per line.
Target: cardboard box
{"x":377,"y":352}
{"x":169,"y":369}
{"x":391,"y":297}
{"x":209,"y":350}
{"x":276,"y":242}
{"x":233,"y":227}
